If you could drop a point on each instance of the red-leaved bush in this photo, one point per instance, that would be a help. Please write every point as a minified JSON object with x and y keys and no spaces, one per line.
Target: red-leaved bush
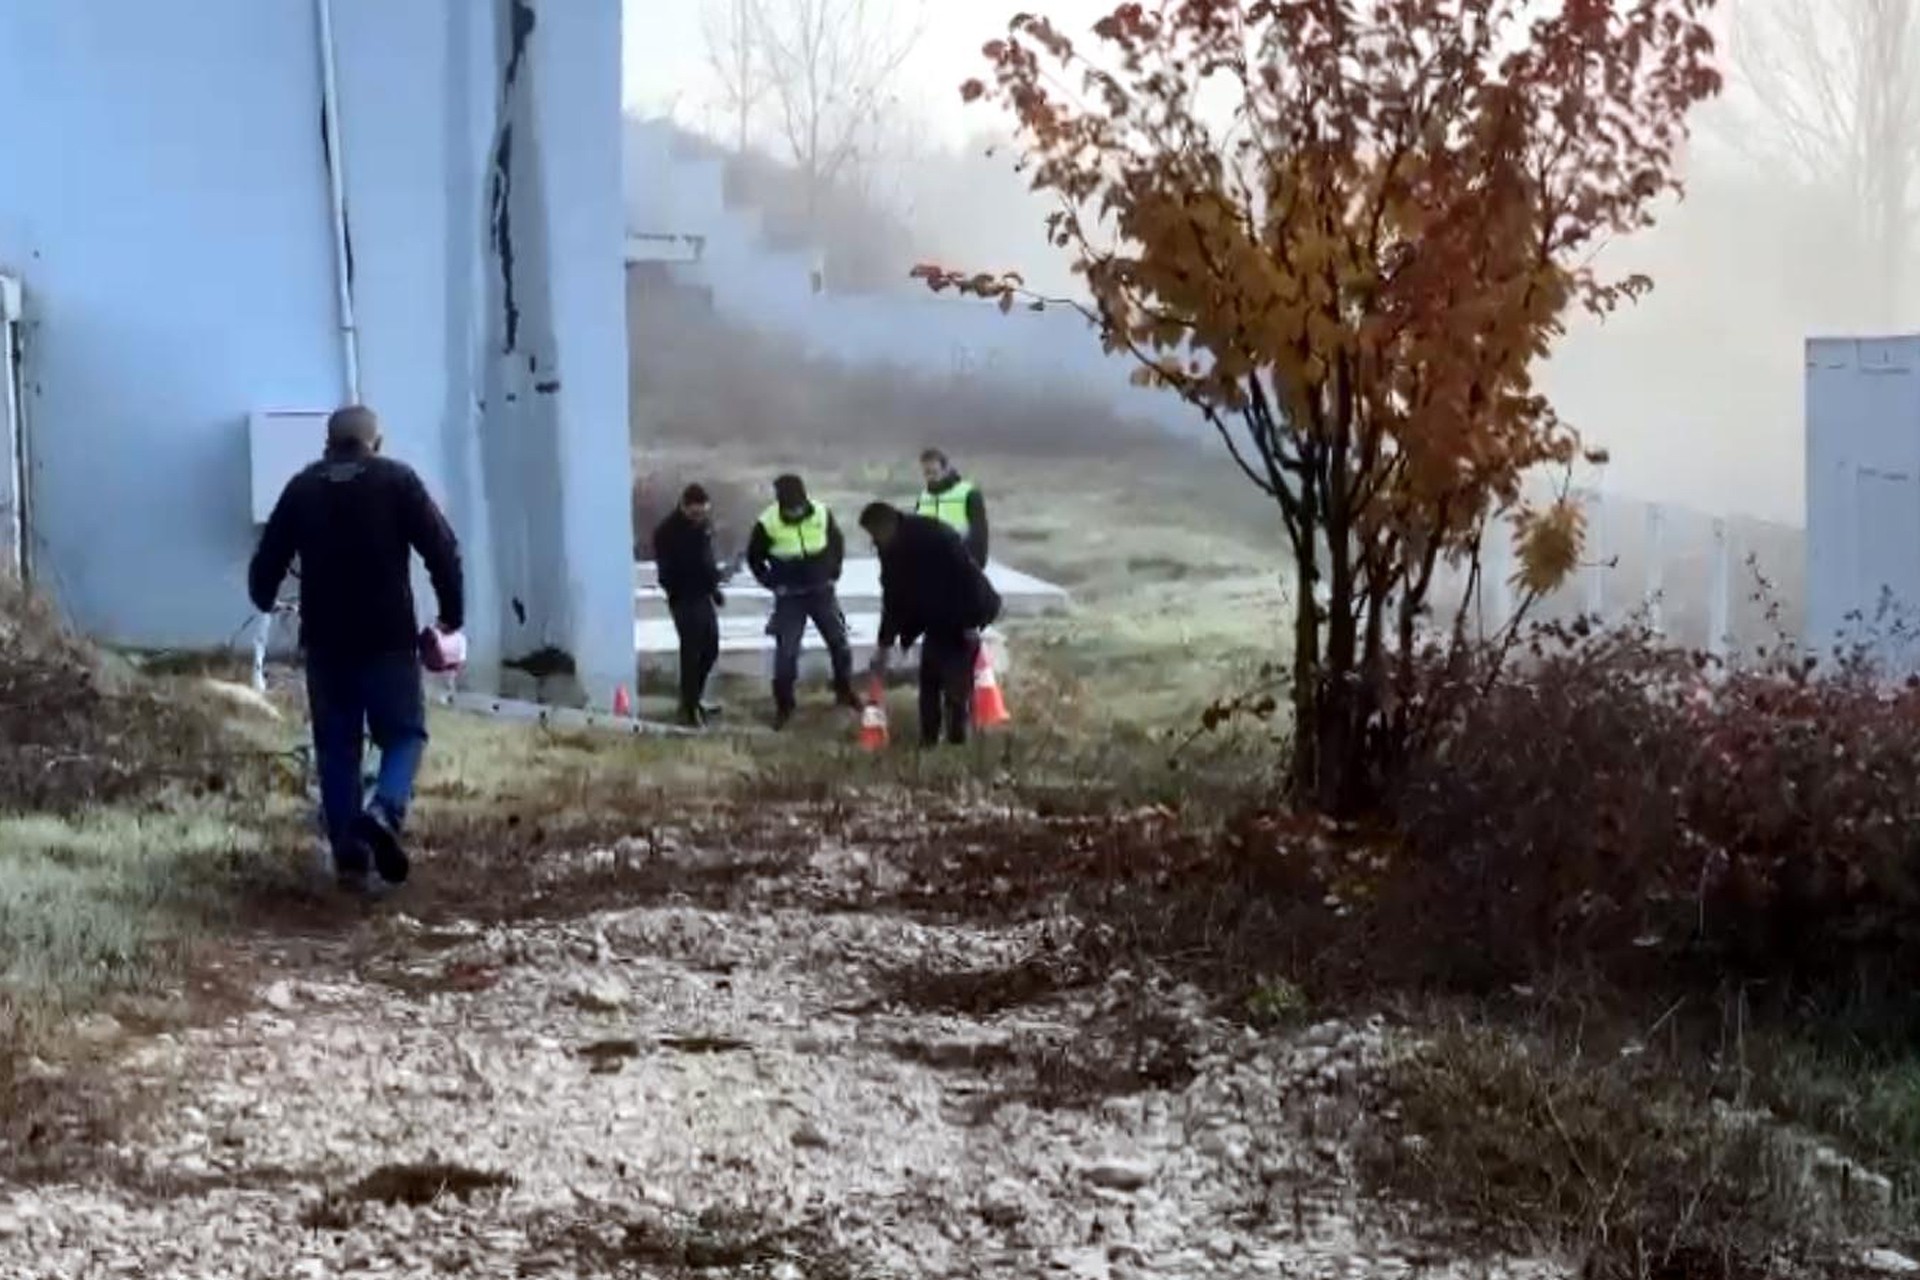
{"x":1606,"y":800}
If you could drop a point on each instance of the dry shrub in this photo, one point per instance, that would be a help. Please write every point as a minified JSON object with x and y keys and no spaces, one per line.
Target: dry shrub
{"x":1608,"y":804}
{"x":1612,"y":1159}
{"x":76,"y":732}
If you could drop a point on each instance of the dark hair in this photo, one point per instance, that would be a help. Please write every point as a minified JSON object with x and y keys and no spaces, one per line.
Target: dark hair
{"x":877,"y":515}
{"x":789,"y":489}
{"x":694,"y":495}
{"x":935,"y":455}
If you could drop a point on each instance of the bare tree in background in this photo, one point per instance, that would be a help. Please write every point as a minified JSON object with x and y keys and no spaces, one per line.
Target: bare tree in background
{"x":1834,"y":90}
{"x":736,"y":56}
{"x":833,"y":68}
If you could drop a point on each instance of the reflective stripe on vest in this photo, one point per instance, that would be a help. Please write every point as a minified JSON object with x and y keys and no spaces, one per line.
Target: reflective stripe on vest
{"x":949,"y":508}
{"x":795,"y":541}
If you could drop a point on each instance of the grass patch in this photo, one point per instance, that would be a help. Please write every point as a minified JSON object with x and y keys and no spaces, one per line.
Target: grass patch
{"x":110,"y":902}
{"x":1633,"y":1160}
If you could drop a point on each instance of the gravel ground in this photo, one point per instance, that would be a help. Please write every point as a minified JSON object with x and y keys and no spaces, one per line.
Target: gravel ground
{"x":674,"y":1090}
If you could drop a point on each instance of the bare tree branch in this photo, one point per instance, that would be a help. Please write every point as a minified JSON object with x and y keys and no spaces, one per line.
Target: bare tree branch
{"x":1833,"y":92}
{"x":731,"y":31}
{"x":832,"y":69}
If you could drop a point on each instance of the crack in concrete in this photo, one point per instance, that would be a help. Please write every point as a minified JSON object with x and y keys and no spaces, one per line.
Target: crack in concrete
{"x":521,"y":24}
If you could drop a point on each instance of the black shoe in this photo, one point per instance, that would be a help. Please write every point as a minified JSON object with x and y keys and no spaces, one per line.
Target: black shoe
{"x":377,"y":830}
{"x":693,"y":718}
{"x":352,"y":880}
{"x":782,"y":718}
{"x":847,"y":699}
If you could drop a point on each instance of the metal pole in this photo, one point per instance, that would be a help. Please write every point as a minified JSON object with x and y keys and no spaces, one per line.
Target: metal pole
{"x":1720,"y":604}
{"x":1656,"y":565}
{"x":262,"y":628}
{"x":1597,"y":557}
{"x":337,"y":190}
{"x":1496,"y":569}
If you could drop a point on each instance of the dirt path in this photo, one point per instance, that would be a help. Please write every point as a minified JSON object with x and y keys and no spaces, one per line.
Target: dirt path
{"x":737,"y":1088}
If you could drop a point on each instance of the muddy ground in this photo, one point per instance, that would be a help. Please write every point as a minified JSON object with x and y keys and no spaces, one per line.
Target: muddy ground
{"x":788,"y":1051}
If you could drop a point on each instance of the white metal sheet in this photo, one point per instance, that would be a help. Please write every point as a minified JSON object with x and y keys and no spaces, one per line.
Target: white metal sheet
{"x":280,"y":444}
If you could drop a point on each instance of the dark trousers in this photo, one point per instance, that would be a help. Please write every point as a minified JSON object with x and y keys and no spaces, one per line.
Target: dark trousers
{"x":788,"y":625}
{"x":946,"y":684}
{"x":350,"y":700}
{"x":697,"y":622}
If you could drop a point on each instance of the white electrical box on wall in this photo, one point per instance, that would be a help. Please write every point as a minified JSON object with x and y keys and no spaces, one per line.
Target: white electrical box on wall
{"x":281,"y":443}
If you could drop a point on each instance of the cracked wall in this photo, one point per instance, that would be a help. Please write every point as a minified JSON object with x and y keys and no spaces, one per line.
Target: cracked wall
{"x":174,"y":237}
{"x":553,"y":438}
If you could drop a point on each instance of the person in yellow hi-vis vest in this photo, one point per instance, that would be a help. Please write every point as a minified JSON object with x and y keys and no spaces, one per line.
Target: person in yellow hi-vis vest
{"x":954,"y":501}
{"x":796,"y":551}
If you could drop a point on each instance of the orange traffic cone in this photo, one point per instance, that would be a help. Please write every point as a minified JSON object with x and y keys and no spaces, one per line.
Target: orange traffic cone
{"x":989,"y":707}
{"x":873,"y":719}
{"x":622,"y":704}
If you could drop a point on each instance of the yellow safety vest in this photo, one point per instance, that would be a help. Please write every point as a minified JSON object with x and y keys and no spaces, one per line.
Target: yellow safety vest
{"x":795,"y":541}
{"x":949,"y":508}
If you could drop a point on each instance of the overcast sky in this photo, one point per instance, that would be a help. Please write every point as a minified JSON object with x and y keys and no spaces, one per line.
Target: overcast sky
{"x":666,"y":63}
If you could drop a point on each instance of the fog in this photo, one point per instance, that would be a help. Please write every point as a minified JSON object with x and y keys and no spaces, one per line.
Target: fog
{"x":1696,"y":391}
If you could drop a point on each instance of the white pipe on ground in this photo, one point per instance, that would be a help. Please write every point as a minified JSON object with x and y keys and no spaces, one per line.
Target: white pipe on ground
{"x":337,"y":190}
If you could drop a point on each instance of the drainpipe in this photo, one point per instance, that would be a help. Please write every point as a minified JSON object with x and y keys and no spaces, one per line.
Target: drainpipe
{"x":337,"y":189}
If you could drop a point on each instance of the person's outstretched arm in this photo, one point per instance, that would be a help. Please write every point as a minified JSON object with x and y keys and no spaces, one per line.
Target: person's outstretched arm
{"x":889,"y":613}
{"x":274,"y":556}
{"x":429,"y":534}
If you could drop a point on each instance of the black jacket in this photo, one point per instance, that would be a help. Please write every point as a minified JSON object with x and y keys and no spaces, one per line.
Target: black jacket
{"x":683,"y":555}
{"x":976,"y":516}
{"x":930,"y":583}
{"x":814,"y":573}
{"x":353,"y":521}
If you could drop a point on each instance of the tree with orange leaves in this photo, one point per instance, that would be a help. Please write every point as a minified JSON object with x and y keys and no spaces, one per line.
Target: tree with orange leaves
{"x":1344,"y":230}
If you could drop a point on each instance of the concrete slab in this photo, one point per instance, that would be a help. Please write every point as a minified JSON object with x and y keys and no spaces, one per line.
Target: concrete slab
{"x":747,"y":650}
{"x":1022,"y":594}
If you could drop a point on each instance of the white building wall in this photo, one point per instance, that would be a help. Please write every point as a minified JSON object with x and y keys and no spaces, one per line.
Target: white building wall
{"x":1863,"y":498}
{"x":162,"y":202}
{"x":163,"y":196}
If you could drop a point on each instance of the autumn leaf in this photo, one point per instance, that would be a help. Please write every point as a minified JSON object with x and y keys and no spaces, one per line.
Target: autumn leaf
{"x":1548,"y":545}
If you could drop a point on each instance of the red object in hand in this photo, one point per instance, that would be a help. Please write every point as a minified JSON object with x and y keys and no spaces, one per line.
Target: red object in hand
{"x":442,"y":651}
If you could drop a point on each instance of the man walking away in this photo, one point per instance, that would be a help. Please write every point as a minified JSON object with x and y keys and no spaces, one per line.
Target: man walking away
{"x":954,"y":501}
{"x":354,"y":519}
{"x":796,"y":551}
{"x":933,"y":591}
{"x":690,"y":577}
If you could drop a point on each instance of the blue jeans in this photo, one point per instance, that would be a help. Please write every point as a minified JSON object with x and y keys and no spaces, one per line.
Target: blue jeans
{"x":349,"y":701}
